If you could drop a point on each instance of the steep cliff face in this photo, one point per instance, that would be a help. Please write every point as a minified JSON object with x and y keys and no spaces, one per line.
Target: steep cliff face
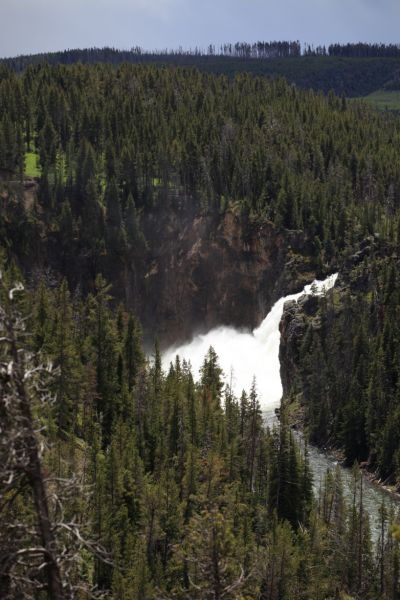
{"x":312,"y":314}
{"x":206,"y":270}
{"x":297,"y":317}
{"x":195,"y":270}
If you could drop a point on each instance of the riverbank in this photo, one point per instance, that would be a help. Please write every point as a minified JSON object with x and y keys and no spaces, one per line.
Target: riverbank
{"x":337,"y":455}
{"x":323,"y":459}
{"x":392,"y":491}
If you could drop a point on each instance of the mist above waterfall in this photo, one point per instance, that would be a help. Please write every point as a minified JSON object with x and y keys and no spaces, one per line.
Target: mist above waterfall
{"x":244,"y":355}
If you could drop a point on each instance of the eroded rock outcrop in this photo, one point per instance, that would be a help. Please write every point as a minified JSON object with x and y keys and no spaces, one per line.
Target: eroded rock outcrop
{"x":297,"y":316}
{"x":207,"y":270}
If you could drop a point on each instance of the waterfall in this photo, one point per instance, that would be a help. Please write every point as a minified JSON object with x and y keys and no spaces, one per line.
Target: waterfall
{"x":243,"y":354}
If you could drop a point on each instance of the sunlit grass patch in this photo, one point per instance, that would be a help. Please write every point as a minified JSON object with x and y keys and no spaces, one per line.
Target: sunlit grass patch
{"x":32,"y":168}
{"x":384,"y":100}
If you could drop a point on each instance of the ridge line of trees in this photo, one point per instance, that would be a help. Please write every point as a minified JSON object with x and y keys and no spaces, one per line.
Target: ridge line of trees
{"x":259,"y":50}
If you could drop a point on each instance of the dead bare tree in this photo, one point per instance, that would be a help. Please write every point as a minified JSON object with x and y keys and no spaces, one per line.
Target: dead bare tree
{"x":41,"y":549}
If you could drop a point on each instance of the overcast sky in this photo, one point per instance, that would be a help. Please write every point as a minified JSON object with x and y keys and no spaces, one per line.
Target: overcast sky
{"x":44,"y":25}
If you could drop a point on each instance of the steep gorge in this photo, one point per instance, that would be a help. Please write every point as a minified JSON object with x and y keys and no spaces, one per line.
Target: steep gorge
{"x":194,"y":271}
{"x":204,"y":270}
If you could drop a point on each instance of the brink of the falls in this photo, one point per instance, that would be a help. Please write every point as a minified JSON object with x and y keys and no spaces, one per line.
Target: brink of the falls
{"x":245,"y":355}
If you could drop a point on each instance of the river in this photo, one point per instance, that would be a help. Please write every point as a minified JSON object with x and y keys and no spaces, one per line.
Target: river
{"x":244,"y":355}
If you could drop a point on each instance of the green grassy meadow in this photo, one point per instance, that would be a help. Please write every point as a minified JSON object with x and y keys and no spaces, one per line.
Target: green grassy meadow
{"x":384,"y":100}
{"x":31,"y":164}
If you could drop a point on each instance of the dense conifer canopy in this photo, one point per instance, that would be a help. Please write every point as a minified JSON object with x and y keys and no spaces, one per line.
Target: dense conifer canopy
{"x":187,"y":493}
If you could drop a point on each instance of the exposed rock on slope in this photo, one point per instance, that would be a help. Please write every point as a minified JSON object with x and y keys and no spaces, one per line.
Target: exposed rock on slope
{"x":209,"y":270}
{"x":354,"y":277}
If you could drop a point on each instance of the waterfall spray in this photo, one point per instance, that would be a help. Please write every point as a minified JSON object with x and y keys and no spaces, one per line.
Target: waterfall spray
{"x":244,"y":355}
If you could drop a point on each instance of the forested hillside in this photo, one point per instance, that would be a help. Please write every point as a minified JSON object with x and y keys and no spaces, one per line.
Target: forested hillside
{"x":154,"y":133}
{"x":127,"y":194}
{"x":158,"y":487}
{"x":132,"y":158}
{"x":351,"y":70}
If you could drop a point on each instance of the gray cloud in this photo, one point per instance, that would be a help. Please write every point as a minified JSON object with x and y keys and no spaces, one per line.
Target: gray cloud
{"x":43,"y":25}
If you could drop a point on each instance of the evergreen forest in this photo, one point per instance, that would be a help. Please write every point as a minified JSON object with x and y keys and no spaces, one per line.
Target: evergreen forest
{"x":353,"y":70}
{"x":126,"y":478}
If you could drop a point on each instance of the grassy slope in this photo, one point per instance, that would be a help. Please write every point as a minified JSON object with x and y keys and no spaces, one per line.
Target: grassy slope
{"x":31,"y":165}
{"x":384,"y":100}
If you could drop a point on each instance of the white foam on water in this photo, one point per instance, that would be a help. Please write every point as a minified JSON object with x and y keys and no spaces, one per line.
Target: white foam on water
{"x":244,"y":355}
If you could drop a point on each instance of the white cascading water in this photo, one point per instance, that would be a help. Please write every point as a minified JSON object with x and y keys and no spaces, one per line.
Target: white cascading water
{"x":257,"y":354}
{"x":244,"y":355}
